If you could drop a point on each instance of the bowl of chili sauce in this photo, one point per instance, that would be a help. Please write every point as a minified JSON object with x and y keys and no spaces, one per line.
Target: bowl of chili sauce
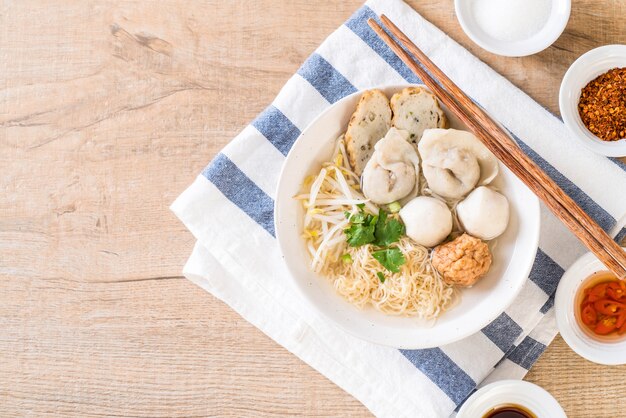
{"x":590,"y":306}
{"x":592,"y":100}
{"x":601,"y":306}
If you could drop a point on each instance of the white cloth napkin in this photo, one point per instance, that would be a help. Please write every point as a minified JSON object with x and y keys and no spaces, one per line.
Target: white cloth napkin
{"x":229,"y":209}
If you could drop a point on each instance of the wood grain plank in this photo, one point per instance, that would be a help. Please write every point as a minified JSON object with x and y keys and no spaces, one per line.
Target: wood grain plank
{"x":584,"y":389}
{"x":108,"y":110}
{"x":159,"y":347}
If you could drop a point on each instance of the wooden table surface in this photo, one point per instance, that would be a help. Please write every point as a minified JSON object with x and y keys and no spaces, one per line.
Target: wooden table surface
{"x":108,"y":110}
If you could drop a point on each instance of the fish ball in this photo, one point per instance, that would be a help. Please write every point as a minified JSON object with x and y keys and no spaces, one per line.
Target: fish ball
{"x":427,"y":220}
{"x":484,"y":213}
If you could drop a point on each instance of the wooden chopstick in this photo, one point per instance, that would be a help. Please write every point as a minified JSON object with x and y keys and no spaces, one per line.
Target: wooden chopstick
{"x":501,"y":144}
{"x":523,"y":167}
{"x":596,"y":240}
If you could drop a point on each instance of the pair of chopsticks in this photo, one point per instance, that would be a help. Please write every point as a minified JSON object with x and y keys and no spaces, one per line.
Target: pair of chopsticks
{"x":506,"y":150}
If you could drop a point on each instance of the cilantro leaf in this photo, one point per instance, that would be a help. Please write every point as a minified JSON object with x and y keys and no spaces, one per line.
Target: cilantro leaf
{"x":356,"y":218}
{"x":358,"y":235}
{"x":387,"y":231}
{"x":361,"y":234}
{"x":381,"y":276}
{"x":390,"y":258}
{"x":362,"y":228}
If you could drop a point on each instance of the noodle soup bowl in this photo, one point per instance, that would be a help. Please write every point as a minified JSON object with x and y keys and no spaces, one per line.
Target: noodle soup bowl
{"x":513,"y":252}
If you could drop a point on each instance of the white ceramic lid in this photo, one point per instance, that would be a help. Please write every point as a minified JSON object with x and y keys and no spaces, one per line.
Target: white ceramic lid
{"x":610,"y":353}
{"x":518,"y":392}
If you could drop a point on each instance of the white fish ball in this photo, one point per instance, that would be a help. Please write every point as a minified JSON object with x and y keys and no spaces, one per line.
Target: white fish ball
{"x":428,"y":221}
{"x":484,"y":213}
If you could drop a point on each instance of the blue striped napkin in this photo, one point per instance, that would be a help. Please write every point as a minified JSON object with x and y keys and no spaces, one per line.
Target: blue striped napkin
{"x":229,"y":209}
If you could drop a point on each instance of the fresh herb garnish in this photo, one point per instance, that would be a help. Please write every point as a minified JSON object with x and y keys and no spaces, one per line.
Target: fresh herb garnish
{"x":381,"y":276}
{"x":380,"y":231}
{"x":390,"y":258}
{"x":366,"y":228}
{"x":356,"y":218}
{"x":346,"y":258}
{"x":362,"y":228}
{"x":361,"y":231}
{"x":387,"y":231}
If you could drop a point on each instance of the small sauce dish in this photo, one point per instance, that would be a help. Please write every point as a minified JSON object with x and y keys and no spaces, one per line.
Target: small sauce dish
{"x":548,"y":31}
{"x":580,"y":73}
{"x":533,"y":400}
{"x":598,"y":349}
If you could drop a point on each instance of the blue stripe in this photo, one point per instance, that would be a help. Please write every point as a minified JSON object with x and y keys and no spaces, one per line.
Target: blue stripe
{"x":618,"y":162}
{"x":620,"y":236}
{"x":527,"y":352}
{"x":458,"y":407}
{"x":545,"y":273}
{"x":329,"y":82}
{"x":358,"y":24}
{"x":548,"y":305}
{"x":277,"y":129}
{"x":503,"y":331}
{"x":242,"y":191}
{"x":444,"y":372}
{"x":597,"y":212}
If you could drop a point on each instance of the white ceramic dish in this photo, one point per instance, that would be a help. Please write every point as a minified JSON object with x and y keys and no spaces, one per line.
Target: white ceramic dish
{"x":513,"y":255}
{"x":559,"y":16}
{"x":611,"y":352}
{"x":526,"y":394}
{"x":582,"y":71}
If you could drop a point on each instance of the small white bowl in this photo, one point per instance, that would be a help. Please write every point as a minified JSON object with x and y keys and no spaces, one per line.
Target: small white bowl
{"x":610,"y":352}
{"x":582,"y":71}
{"x":559,"y":16}
{"x":518,"y":392}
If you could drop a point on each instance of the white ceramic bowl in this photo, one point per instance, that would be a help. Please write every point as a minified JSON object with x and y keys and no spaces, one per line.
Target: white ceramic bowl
{"x":526,"y":394}
{"x":551,"y":31}
{"x":513,"y":255}
{"x":582,"y":71}
{"x":610,"y":353}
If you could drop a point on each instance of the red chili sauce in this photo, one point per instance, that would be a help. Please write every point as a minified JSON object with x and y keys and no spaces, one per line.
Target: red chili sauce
{"x":601,"y":306}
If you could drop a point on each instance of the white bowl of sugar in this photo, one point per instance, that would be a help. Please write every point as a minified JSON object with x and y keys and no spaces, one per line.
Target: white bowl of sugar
{"x":513,"y":28}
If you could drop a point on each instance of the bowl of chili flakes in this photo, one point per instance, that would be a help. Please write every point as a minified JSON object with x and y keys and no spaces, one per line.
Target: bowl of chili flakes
{"x":592,"y":100}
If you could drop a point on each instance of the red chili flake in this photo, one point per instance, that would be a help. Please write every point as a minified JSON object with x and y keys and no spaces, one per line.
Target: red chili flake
{"x":602,"y":105}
